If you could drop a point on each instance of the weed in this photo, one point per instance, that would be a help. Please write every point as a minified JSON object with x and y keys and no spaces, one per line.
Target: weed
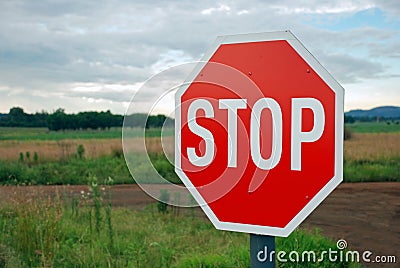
{"x":80,"y":151}
{"x":109,"y":221}
{"x":117,"y":152}
{"x":96,"y":201}
{"x":162,"y":204}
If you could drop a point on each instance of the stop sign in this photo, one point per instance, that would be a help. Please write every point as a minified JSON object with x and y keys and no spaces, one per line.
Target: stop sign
{"x":259,"y":133}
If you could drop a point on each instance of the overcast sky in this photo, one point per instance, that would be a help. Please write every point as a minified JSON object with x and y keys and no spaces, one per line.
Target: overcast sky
{"x":93,"y":55}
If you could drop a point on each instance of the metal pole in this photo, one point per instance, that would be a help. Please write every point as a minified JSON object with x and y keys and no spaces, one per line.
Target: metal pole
{"x":262,"y":251}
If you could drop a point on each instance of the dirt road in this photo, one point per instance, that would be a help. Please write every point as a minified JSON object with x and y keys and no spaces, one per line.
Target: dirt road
{"x":366,"y":215}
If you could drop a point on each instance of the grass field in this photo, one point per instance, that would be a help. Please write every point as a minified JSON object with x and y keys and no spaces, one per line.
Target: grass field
{"x":30,"y":134}
{"x":33,"y":134}
{"x":375,"y":127}
{"x":368,"y":157}
{"x":372,"y":157}
{"x":88,"y":232}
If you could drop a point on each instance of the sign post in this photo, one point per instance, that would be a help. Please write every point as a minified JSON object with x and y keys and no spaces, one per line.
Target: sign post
{"x":262,"y":251}
{"x":259,"y":135}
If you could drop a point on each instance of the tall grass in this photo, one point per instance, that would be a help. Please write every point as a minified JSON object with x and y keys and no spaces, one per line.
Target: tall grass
{"x":73,"y":171}
{"x":368,"y":157}
{"x":372,"y":157}
{"x":86,"y":232}
{"x":62,"y":150}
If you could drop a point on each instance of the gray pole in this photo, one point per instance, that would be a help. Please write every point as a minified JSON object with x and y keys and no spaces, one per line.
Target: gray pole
{"x":262,"y":251}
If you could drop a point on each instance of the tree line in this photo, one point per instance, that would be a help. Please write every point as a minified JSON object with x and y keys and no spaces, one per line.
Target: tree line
{"x":352,"y":119}
{"x":59,"y":120}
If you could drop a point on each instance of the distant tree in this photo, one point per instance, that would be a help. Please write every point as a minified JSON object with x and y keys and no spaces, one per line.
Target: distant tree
{"x":155,"y":121}
{"x":349,"y":119}
{"x":17,"y":112}
{"x":39,"y":119}
{"x":135,"y":120}
{"x":57,"y":120}
{"x":17,"y":117}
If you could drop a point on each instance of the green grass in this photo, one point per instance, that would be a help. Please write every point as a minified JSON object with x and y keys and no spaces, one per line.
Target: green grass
{"x":378,"y":170}
{"x":86,"y":232}
{"x":17,"y":133}
{"x":26,"y":134}
{"x":374,"y":127}
{"x":75,"y":170}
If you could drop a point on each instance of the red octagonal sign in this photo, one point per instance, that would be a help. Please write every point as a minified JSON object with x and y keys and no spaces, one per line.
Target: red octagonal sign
{"x":259,"y":133}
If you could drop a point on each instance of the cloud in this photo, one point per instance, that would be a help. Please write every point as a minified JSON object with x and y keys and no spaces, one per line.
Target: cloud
{"x":48,"y":47}
{"x":322,"y":7}
{"x":348,"y":69}
{"x":391,"y":7}
{"x":220,"y":8}
{"x":387,"y":49}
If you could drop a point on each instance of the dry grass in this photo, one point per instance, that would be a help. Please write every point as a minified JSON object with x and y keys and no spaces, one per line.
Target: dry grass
{"x":372,"y":146}
{"x":55,"y":150}
{"x":64,"y":149}
{"x":367,"y":146}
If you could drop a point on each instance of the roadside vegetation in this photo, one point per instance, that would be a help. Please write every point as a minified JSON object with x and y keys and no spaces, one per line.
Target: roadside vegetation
{"x":30,"y":156}
{"x":85,"y":231}
{"x":372,"y":152}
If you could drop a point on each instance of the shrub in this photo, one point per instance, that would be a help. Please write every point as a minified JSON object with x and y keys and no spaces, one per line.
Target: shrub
{"x":80,"y":150}
{"x":117,"y":152}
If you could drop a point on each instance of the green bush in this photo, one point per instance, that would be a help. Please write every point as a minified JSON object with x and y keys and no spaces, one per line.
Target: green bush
{"x":80,"y":151}
{"x":35,"y":157}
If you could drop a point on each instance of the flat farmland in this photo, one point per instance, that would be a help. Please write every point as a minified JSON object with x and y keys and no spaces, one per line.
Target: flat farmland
{"x":366,"y":215}
{"x":367,"y":156}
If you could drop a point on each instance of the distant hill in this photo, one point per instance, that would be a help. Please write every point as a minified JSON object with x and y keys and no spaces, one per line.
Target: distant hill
{"x":389,"y":112}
